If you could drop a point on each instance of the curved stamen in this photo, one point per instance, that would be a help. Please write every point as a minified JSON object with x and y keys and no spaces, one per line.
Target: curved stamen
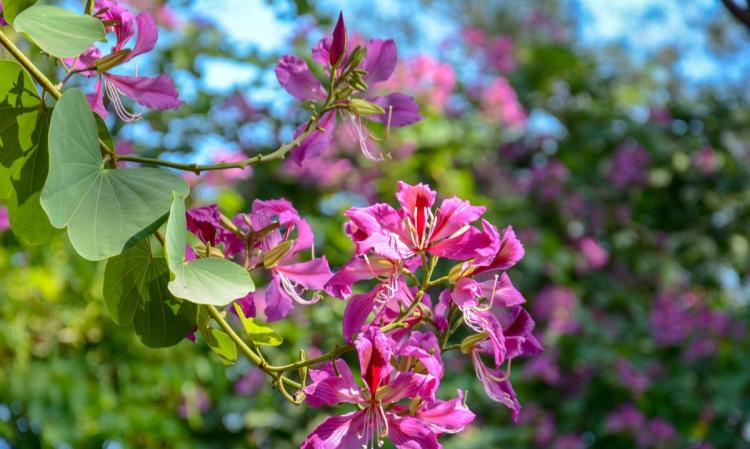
{"x":290,"y":287}
{"x":115,"y":97}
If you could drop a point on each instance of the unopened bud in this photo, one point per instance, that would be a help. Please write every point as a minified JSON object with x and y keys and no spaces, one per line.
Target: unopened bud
{"x":274,"y":256}
{"x":364,"y":107}
{"x":469,"y":342}
{"x":356,"y":57}
{"x":458,"y":271}
{"x":111,"y":60}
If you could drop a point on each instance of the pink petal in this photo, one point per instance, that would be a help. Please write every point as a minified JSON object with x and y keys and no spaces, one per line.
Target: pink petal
{"x":339,"y":432}
{"x":424,"y":347}
{"x":466,"y":293}
{"x":454,"y":214}
{"x":156,"y":93}
{"x":415,"y":197}
{"x":96,"y":99}
{"x":379,"y":228}
{"x":358,"y":309}
{"x":358,"y":269}
{"x":380,"y":60}
{"x":278,"y":302}
{"x":312,"y":274}
{"x":147,"y":36}
{"x":461,"y":247}
{"x":330,"y":388}
{"x":498,"y":390}
{"x":400,"y":110}
{"x":317,"y":141}
{"x":505,"y":294}
{"x":406,"y":385}
{"x":374,"y":350}
{"x":510,"y":252}
{"x":447,"y":416}
{"x":296,"y":78}
{"x":441,"y":310}
{"x":410,"y":433}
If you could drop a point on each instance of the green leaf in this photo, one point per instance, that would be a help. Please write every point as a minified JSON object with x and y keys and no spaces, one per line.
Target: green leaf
{"x":135,"y":292}
{"x":211,"y":280}
{"x":14,"y":7}
{"x":58,"y":31}
{"x":24,"y":123}
{"x":259,"y":332}
{"x":221,"y":344}
{"x":106,"y":210}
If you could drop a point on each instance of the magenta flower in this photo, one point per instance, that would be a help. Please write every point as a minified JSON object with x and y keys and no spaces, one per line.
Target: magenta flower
{"x":401,"y":234}
{"x":280,"y":234}
{"x":499,"y":102}
{"x":334,"y":54}
{"x":381,"y":412}
{"x":3,"y":22}
{"x":156,"y":93}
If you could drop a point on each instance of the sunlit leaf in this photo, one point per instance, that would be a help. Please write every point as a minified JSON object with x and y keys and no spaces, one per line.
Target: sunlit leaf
{"x":58,"y":31}
{"x":106,"y":210}
{"x":221,"y":344}
{"x":211,"y":280}
{"x":259,"y":332}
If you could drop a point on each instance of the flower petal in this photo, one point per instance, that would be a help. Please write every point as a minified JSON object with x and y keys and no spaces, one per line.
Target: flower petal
{"x":358,"y":309}
{"x":358,"y":269}
{"x":338,"y":42}
{"x":296,"y":78}
{"x":411,"y":433}
{"x":339,"y":432}
{"x":446,"y":416}
{"x":374,"y":350}
{"x":331,"y":387}
{"x":380,"y":60}
{"x":96,"y":99}
{"x":400,"y":110}
{"x":497,"y":386}
{"x":278,"y":301}
{"x":312,"y":274}
{"x":502,"y":292}
{"x":378,"y":228}
{"x":452,"y":216}
{"x":147,"y":36}
{"x":317,"y":141}
{"x":156,"y":93}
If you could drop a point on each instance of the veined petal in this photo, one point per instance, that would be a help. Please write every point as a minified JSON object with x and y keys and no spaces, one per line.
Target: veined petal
{"x":204,"y":223}
{"x":502,"y":292}
{"x":296,"y":78}
{"x":312,"y":274}
{"x":497,"y":386}
{"x":374,"y":350}
{"x":379,"y":228}
{"x":380,"y":60}
{"x":466,"y":293}
{"x":460,"y":247}
{"x":156,"y":93}
{"x":424,"y":347}
{"x":406,"y":385}
{"x":519,"y":339}
{"x":317,"y":141}
{"x":339,"y":432}
{"x":330,"y":388}
{"x":147,"y":36}
{"x":453,"y":214}
{"x":338,"y":42}
{"x":85,"y":60}
{"x":358,"y":309}
{"x":446,"y":416}
{"x":411,"y":433}
{"x":278,"y":301}
{"x":96,"y":99}
{"x":441,"y":310}
{"x":400,"y":110}
{"x":358,"y":269}
{"x":509,"y":253}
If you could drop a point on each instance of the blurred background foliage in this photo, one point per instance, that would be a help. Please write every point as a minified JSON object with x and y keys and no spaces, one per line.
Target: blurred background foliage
{"x":623,"y":165}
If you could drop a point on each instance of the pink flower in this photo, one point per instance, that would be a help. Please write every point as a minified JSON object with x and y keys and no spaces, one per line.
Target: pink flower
{"x":499,"y":102}
{"x":334,"y":54}
{"x":4,"y":219}
{"x":279,"y":235}
{"x":155,"y":93}
{"x":381,"y":413}
{"x":628,"y":167}
{"x":593,"y":253}
{"x":431,"y":80}
{"x":415,"y":228}
{"x":3,"y":22}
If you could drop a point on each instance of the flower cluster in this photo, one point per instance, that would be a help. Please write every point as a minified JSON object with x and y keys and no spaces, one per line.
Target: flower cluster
{"x":347,"y":95}
{"x":155,"y":93}
{"x":399,"y":333}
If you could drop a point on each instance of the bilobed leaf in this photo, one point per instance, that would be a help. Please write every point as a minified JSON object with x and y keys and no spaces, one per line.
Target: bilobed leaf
{"x":24,"y":122}
{"x":105,"y":210}
{"x":58,"y":31}
{"x":259,"y":332}
{"x":221,"y":344}
{"x":211,"y":280}
{"x":135,"y":292}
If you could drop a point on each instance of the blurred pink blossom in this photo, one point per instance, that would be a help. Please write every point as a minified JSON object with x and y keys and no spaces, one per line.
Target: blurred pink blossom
{"x":500,"y":102}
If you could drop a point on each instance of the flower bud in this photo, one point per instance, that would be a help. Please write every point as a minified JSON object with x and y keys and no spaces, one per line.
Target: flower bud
{"x":469,"y":342}
{"x":358,"y":54}
{"x":274,"y":256}
{"x":364,"y":107}
{"x":111,"y":60}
